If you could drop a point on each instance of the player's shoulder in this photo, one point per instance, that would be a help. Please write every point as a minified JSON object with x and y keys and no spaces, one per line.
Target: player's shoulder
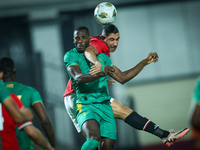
{"x":96,"y":39}
{"x":103,"y":55}
{"x":26,"y":87}
{"x":70,"y":53}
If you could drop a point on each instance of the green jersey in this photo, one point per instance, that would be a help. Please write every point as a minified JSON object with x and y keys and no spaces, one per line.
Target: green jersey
{"x":92,"y":92}
{"x":196,"y":94}
{"x":28,"y":96}
{"x":4,"y":93}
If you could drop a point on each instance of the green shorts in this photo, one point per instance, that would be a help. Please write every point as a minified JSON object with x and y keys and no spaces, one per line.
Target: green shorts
{"x":102,"y":113}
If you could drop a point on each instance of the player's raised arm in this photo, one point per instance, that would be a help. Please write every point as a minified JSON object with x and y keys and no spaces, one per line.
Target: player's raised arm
{"x":91,"y":55}
{"x":125,"y":76}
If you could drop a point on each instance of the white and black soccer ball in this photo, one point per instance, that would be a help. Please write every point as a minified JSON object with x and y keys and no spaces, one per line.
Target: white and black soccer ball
{"x":105,"y":13}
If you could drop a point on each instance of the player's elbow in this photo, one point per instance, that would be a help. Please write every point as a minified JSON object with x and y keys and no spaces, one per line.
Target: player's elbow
{"x":19,"y":119}
{"x":79,"y":79}
{"x":45,"y":121}
{"x":122,"y":81}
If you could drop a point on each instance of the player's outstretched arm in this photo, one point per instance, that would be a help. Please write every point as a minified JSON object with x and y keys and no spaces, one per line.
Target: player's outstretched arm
{"x":36,"y":136}
{"x":91,"y":55}
{"x":125,"y":76}
{"x":20,"y":116}
{"x":46,"y":123}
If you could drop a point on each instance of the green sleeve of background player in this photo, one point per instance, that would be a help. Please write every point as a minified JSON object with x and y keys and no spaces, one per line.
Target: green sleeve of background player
{"x":35,"y":97}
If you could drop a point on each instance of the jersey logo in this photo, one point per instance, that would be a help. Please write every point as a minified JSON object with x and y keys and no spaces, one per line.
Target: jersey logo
{"x":102,"y":64}
{"x":79,"y":107}
{"x":19,"y":96}
{"x":9,"y":85}
{"x":91,"y":64}
{"x":155,"y":126}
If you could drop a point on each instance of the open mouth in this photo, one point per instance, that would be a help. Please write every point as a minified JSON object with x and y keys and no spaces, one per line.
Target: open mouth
{"x":80,"y":46}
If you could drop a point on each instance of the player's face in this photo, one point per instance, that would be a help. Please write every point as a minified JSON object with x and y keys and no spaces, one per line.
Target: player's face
{"x":81,"y":40}
{"x":112,"y":41}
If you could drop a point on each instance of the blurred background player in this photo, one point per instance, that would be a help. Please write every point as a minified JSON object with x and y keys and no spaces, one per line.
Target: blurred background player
{"x":194,"y":114}
{"x":8,"y":134}
{"x":30,"y":98}
{"x":19,"y":115}
{"x":11,"y":107}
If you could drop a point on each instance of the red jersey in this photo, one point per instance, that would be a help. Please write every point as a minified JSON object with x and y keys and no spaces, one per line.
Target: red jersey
{"x":101,"y":47}
{"x":8,"y":134}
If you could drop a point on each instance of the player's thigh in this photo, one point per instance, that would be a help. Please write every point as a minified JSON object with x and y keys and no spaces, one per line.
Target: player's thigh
{"x":91,"y":130}
{"x":120,"y":111}
{"x":108,"y":125}
{"x":89,"y":120}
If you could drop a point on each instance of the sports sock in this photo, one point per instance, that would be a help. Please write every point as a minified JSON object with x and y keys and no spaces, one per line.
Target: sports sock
{"x":90,"y":144}
{"x":142,"y":123}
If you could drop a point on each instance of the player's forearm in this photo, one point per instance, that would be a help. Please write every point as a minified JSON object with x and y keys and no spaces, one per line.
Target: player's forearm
{"x":131,"y":73}
{"x":49,"y":132}
{"x":39,"y":139}
{"x":85,"y":78}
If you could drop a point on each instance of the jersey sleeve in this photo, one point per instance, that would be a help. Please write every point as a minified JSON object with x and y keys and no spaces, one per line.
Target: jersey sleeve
{"x":4,"y":93}
{"x":17,"y":101}
{"x":100,"y":46}
{"x":35,"y":97}
{"x":196,"y":94}
{"x":104,"y":60}
{"x":70,"y":59}
{"x":21,"y":126}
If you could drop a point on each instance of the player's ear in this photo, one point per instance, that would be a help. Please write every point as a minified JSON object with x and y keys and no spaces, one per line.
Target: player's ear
{"x":14,"y":70}
{"x":89,"y":39}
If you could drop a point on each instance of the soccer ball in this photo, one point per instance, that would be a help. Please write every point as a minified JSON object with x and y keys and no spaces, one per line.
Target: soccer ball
{"x":105,"y":13}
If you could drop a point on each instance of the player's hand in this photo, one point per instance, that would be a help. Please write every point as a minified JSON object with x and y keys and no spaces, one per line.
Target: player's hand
{"x":152,"y":57}
{"x":96,"y":68}
{"x":110,"y":82}
{"x":109,"y":70}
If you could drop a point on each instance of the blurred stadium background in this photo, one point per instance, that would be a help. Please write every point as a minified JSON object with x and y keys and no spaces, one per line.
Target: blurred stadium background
{"x":37,"y":34}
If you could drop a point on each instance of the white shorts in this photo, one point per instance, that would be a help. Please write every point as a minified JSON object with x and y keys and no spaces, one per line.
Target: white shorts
{"x":70,"y":105}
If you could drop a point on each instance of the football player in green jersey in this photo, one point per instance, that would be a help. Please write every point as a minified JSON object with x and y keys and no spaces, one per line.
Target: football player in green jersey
{"x":81,"y":77}
{"x":30,"y":98}
{"x":19,"y":116}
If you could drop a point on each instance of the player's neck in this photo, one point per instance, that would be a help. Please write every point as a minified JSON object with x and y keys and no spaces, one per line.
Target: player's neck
{"x":8,"y":79}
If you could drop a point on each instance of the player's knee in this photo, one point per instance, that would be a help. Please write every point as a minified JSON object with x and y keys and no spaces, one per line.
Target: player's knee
{"x":95,"y":137}
{"x":107,"y":144}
